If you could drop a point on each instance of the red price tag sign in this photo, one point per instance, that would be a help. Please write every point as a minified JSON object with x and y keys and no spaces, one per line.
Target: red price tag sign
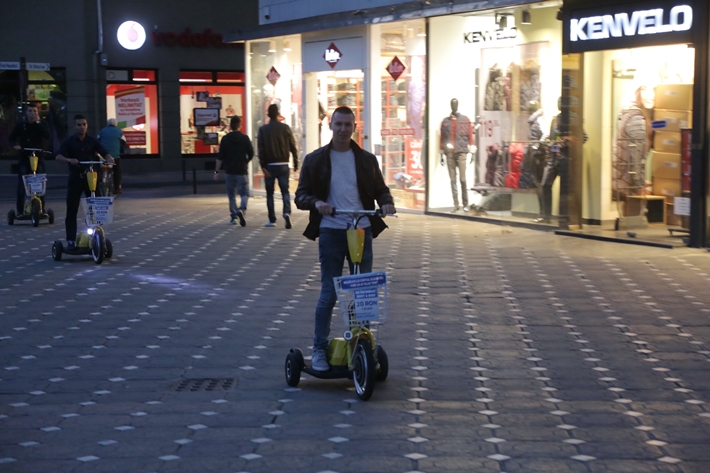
{"x":396,"y":68}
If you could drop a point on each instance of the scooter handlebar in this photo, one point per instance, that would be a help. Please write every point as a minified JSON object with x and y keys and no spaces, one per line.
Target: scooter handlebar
{"x":37,"y":150}
{"x":359,"y":213}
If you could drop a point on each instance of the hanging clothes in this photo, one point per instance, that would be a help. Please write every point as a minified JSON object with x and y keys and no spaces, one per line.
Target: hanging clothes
{"x":632,"y":145}
{"x":530,"y":85}
{"x":495,"y":90}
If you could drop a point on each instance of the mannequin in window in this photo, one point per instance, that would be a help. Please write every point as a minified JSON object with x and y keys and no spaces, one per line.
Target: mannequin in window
{"x":456,"y":142}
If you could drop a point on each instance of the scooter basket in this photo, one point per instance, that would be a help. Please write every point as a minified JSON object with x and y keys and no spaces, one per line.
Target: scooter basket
{"x":35,"y":184}
{"x":97,"y":210}
{"x":362,"y":298}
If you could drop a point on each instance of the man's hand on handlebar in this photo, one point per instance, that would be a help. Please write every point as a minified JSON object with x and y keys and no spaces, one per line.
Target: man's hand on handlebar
{"x":324,"y":208}
{"x":388,"y":209}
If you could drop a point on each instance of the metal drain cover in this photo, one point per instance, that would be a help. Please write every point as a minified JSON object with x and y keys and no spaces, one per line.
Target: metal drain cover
{"x":206,"y":384}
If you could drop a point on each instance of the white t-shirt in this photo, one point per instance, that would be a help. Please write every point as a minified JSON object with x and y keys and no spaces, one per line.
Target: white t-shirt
{"x":343,"y":190}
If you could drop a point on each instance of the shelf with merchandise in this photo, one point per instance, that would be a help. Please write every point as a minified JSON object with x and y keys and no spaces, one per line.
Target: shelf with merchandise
{"x":394,"y":117}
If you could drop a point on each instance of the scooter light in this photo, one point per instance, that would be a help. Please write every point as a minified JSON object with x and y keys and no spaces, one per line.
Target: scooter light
{"x":90,"y":231}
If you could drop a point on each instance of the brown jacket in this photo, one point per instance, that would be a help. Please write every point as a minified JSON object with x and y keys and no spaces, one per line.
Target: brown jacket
{"x":314,"y":185}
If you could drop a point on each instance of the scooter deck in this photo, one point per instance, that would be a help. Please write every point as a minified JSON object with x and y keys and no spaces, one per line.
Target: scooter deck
{"x":335,"y":372}
{"x":78,"y":251}
{"x":42,"y":216}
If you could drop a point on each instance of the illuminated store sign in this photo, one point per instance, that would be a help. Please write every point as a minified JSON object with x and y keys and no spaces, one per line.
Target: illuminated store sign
{"x":131,"y":35}
{"x":642,"y":22}
{"x":655,"y":23}
{"x":492,"y":35}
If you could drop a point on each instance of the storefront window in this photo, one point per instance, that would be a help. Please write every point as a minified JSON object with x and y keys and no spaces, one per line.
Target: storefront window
{"x":401,"y":74}
{"x":132,"y":98}
{"x":48,"y":90}
{"x":208,"y":99}
{"x":275,"y":77}
{"x":495,"y":84}
{"x":650,"y":101}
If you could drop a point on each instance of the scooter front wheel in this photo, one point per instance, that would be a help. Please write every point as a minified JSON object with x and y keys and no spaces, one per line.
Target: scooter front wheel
{"x":98,"y":246}
{"x":364,"y":369}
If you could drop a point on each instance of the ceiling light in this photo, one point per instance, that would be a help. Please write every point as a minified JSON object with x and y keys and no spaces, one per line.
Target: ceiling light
{"x":272,"y":46}
{"x":526,"y":17}
{"x":287,"y":46}
{"x":502,"y":21}
{"x":421,"y":32}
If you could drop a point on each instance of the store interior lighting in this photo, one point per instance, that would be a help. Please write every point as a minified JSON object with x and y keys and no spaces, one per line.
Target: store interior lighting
{"x":526,"y":17}
{"x":502,"y":21}
{"x":272,"y":46}
{"x":421,"y":32}
{"x":287,"y":46}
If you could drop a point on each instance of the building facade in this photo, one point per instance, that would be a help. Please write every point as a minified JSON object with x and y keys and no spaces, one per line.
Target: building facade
{"x":563,"y":115}
{"x":161,"y":68}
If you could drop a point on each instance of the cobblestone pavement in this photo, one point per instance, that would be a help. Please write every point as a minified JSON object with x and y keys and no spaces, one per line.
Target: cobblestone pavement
{"x":510,"y":350}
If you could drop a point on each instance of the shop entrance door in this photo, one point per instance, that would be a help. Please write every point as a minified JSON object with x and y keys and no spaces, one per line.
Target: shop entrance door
{"x":326,"y":91}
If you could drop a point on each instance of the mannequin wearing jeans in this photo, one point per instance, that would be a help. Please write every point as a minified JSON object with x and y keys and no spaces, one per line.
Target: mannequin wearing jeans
{"x":456,"y":142}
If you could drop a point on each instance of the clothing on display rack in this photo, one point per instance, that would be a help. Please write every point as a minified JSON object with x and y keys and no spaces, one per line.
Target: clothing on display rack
{"x":495,"y":90}
{"x":631,"y":147}
{"x":530,"y":85}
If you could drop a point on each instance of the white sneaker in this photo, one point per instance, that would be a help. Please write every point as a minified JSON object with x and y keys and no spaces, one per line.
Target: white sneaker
{"x":269,"y":224}
{"x":318,"y":361}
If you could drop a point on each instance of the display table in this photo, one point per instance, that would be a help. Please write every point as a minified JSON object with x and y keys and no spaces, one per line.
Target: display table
{"x":654,"y":205}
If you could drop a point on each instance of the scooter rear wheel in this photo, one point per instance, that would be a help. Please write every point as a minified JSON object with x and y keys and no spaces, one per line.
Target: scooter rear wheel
{"x":57,"y":250}
{"x":109,"y":248}
{"x":383,"y":366}
{"x":11,"y":217}
{"x":50,"y":215}
{"x":35,"y":210}
{"x":293,"y":367}
{"x":364,"y":369}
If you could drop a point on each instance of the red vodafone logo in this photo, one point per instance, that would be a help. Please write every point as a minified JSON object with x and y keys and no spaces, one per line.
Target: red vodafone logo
{"x":332,"y":55}
{"x":395,"y":68}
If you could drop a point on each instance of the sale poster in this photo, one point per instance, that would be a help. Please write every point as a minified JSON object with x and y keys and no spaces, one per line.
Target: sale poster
{"x":130,"y":107}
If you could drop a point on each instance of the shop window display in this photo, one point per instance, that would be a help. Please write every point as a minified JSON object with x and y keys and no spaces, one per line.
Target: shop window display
{"x":402,"y":100}
{"x":275,"y":77}
{"x":492,"y":94}
{"x":47,"y":90}
{"x":652,"y":105}
{"x":208,"y":99}
{"x":132,"y":98}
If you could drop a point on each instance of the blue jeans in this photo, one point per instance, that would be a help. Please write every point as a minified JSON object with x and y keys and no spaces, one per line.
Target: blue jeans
{"x":241,"y":184}
{"x":281,"y":173}
{"x":332,"y":252}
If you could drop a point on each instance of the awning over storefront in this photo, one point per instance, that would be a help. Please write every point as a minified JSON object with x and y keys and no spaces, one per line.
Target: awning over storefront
{"x":403,"y":11}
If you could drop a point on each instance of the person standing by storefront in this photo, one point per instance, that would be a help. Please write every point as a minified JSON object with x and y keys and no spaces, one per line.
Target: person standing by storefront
{"x":78,"y":147}
{"x":275,"y":141}
{"x":235,"y":152}
{"x":110,"y":138}
{"x":30,"y":133}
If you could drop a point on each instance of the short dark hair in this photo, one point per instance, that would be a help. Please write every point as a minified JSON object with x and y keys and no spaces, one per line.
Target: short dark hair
{"x":273,"y":111}
{"x":234,"y":122}
{"x":344,"y":111}
{"x":33,"y":105}
{"x":79,"y":116}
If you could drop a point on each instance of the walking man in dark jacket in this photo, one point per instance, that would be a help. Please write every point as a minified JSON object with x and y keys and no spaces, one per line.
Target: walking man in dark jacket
{"x":275,"y":141}
{"x":235,"y":152}
{"x":339,"y":175}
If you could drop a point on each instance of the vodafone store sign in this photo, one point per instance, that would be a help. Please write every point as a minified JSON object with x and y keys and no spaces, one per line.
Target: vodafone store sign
{"x":131,"y":35}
